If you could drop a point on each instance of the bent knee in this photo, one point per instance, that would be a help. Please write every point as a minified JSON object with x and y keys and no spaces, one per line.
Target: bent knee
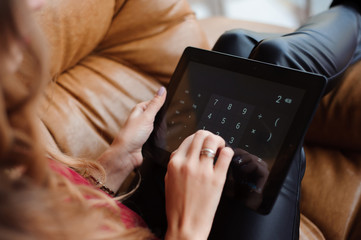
{"x":236,"y":42}
{"x":237,"y":36}
{"x":275,"y":51}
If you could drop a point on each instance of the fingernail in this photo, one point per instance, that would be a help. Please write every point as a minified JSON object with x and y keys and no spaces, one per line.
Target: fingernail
{"x":161,"y":91}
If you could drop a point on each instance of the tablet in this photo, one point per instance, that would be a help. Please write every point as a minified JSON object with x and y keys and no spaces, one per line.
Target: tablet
{"x":261,"y":110}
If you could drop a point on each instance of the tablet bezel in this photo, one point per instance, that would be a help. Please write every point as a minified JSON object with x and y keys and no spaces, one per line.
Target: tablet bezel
{"x":313,"y":85}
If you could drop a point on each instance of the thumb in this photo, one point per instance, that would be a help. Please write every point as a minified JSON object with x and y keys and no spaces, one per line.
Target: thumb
{"x":157,"y":102}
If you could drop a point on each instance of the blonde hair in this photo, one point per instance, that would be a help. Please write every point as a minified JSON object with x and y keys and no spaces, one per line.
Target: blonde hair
{"x":35,"y":202}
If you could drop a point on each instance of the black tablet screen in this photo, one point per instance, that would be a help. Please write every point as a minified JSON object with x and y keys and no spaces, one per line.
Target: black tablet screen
{"x":261,"y":110}
{"x":248,"y":112}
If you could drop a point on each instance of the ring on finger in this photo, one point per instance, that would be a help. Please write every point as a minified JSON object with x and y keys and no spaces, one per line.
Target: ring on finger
{"x":208,"y":152}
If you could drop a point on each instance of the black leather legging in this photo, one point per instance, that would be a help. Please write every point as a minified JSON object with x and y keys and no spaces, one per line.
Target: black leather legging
{"x":327,"y":44}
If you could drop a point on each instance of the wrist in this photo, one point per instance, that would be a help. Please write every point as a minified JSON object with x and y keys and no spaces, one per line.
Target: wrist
{"x":177,"y":235}
{"x":114,"y":161}
{"x":116,"y":165}
{"x":96,"y":182}
{"x":185,"y":234}
{"x":130,"y":155}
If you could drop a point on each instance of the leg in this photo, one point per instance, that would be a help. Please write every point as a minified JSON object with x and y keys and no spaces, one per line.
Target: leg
{"x":327,"y":44}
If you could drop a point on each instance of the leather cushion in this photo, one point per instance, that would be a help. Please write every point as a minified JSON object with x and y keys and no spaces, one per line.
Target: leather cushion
{"x":106,"y":57}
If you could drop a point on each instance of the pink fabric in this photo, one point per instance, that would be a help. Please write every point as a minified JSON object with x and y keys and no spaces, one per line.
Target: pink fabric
{"x":128,"y":217}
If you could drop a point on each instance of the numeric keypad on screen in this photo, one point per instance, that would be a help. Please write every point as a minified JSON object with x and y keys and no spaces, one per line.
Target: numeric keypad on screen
{"x":226,"y":117}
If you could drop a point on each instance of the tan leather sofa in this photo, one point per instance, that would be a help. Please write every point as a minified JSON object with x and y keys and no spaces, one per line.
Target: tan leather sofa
{"x":108,"y":55}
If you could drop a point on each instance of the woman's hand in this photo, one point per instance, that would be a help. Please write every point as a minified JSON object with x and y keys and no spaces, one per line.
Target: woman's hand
{"x":139,"y":126}
{"x":194,"y":185}
{"x":125,"y":153}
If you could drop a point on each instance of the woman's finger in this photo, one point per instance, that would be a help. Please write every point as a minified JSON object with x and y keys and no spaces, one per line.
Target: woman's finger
{"x":194,"y":150}
{"x":157,"y":102}
{"x":150,"y":107}
{"x":211,"y":146}
{"x":138,"y":109}
{"x":223,"y":162}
